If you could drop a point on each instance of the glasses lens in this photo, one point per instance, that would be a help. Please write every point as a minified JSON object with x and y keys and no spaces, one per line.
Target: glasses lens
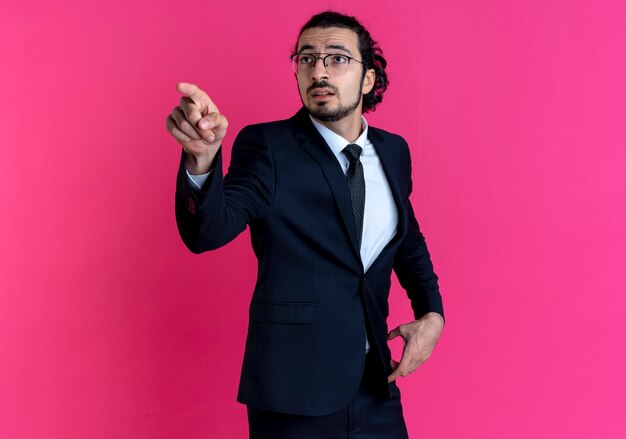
{"x":336,"y":65}
{"x":303,"y":63}
{"x":294,"y":64}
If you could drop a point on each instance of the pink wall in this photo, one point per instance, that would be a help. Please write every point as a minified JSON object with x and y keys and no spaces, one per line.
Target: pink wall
{"x":110,"y":328}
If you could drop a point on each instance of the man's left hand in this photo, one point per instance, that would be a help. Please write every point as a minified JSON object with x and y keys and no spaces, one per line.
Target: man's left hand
{"x":420,"y":338}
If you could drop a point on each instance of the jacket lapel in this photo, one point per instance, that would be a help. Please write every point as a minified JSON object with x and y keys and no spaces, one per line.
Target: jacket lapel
{"x":389,"y":166}
{"x":315,"y":145}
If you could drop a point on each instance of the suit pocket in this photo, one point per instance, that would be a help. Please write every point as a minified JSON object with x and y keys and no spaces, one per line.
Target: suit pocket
{"x":283,"y":312}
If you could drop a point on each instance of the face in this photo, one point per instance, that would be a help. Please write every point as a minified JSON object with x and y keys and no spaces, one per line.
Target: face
{"x":328,"y":97}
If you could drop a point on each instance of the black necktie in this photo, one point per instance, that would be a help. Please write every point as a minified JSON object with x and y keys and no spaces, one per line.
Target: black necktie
{"x":356,"y":182}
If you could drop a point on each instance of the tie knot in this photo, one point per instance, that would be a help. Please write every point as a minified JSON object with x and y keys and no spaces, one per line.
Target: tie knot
{"x":353,"y":152}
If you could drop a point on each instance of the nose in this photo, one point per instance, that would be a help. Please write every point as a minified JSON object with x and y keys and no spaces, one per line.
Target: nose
{"x":319,"y":71}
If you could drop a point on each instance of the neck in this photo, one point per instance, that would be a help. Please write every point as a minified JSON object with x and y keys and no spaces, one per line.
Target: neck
{"x":350,"y":127}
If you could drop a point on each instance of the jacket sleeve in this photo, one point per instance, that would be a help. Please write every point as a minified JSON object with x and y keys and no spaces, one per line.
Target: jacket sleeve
{"x":214,"y":215}
{"x":414,"y":268}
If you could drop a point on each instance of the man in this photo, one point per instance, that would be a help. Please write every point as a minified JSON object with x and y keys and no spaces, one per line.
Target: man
{"x":327,"y":201}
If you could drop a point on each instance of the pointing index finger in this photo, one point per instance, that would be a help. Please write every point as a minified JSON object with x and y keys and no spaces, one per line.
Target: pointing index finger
{"x":198,"y":96}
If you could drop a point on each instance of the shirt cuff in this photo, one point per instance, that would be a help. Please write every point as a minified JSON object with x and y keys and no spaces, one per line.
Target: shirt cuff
{"x":198,"y":180}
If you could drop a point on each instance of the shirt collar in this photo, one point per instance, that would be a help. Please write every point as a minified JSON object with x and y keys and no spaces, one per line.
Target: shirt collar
{"x":338,"y":143}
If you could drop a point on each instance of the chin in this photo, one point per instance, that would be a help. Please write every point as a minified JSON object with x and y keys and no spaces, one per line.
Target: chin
{"x":322,"y":112}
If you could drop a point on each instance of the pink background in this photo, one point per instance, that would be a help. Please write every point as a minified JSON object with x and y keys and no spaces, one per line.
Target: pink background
{"x":111,"y":328}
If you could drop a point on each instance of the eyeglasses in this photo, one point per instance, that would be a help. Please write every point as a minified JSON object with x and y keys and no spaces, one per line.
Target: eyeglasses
{"x":335,"y":64}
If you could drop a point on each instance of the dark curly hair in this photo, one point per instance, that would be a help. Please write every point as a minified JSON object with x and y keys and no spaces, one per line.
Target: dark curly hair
{"x":370,"y":51}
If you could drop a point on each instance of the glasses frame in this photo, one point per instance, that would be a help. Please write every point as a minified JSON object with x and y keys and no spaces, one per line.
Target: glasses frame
{"x":294,"y":65}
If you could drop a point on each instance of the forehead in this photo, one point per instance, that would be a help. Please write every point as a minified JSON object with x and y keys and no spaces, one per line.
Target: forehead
{"x":320,"y":39}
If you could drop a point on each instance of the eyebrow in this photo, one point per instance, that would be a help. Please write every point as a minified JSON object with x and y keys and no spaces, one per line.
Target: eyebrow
{"x":330,"y":46}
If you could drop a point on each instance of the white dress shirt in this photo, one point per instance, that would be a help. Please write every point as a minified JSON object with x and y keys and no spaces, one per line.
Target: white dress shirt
{"x":380,"y":220}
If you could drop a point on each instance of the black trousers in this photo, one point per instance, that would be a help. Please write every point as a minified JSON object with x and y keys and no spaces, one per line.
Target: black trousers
{"x":365,"y":417}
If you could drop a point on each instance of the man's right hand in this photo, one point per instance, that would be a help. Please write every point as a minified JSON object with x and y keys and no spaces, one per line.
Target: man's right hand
{"x":198,"y":126}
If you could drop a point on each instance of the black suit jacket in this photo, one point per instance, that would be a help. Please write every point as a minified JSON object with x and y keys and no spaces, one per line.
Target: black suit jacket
{"x":313,"y":302}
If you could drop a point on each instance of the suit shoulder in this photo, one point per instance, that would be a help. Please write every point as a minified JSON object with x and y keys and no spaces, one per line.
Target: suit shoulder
{"x":392,"y":140}
{"x":264,"y":127}
{"x":389,"y":136}
{"x":261,"y":135}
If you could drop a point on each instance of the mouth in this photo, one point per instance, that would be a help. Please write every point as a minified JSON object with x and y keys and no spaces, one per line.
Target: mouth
{"x":322,"y":94}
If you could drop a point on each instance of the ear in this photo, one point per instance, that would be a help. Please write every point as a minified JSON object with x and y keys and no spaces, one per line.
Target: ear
{"x":369,"y":81}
